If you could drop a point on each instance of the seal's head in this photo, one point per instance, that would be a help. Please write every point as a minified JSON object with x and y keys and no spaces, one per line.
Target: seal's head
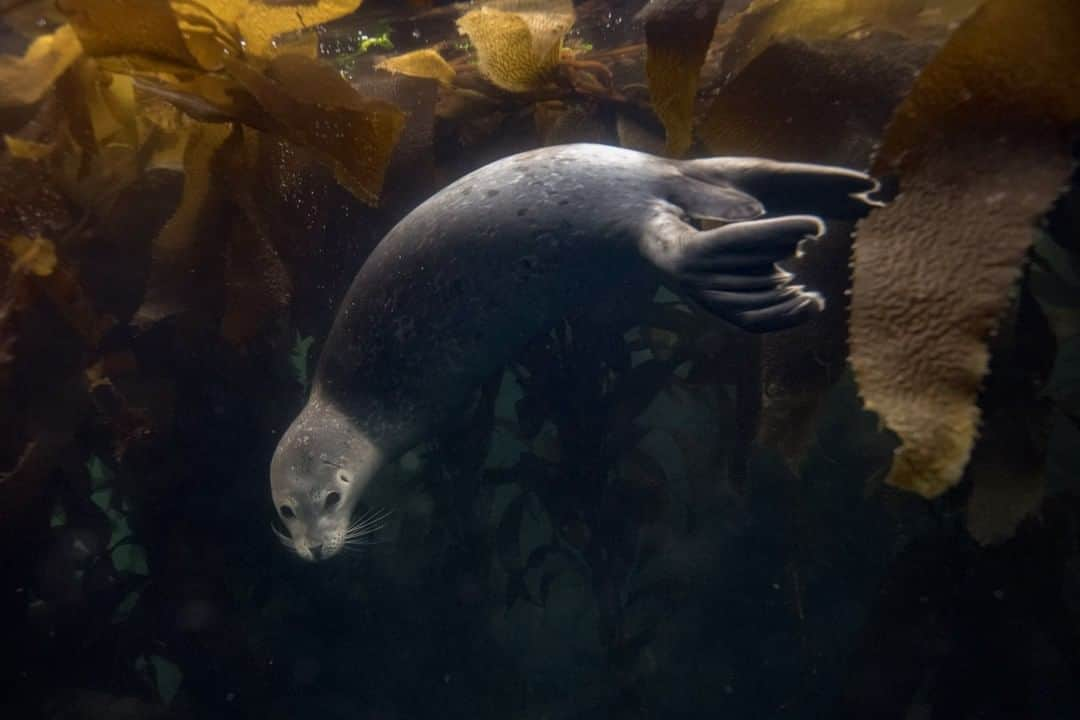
{"x":318,"y":476}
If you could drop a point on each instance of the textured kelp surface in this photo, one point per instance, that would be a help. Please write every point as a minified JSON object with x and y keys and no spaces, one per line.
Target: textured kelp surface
{"x":679,"y":520}
{"x":982,"y":155}
{"x":518,"y":42}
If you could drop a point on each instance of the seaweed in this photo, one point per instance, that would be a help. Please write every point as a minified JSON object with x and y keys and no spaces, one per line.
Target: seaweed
{"x":426,"y":63}
{"x":912,"y":264}
{"x":518,"y":42}
{"x":768,"y":21}
{"x":677,"y":36}
{"x":24,"y":80}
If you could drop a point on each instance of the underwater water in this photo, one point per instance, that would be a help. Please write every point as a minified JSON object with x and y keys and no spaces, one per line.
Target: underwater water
{"x":588,"y":462}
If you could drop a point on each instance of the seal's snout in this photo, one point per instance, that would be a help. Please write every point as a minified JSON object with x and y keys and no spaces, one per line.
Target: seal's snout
{"x":319,"y":549}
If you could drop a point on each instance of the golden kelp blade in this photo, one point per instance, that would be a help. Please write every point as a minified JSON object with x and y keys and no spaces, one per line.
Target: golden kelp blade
{"x":518,"y":42}
{"x":114,"y":118}
{"x":259,"y":21}
{"x":303,"y":100}
{"x":162,"y":132}
{"x":32,"y":255}
{"x":100,"y":118}
{"x":932,"y":277}
{"x":159,"y":34}
{"x":24,"y":80}
{"x":27,"y":149}
{"x":146,"y":31}
{"x":1014,"y":63}
{"x":309,"y":103}
{"x":177,"y":48}
{"x":982,"y":152}
{"x":426,"y":63}
{"x":677,"y":37}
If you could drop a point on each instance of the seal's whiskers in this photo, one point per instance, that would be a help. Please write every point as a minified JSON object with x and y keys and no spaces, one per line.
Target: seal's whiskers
{"x":369,"y":523}
{"x":365,"y":533}
{"x":357,"y":544}
{"x":285,"y":539}
{"x":361,"y":533}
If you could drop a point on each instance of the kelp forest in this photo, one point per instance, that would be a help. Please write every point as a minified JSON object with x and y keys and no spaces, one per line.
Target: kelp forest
{"x":872,"y":515}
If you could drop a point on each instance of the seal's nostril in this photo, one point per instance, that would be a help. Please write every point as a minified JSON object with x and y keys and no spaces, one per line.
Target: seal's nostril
{"x":316,"y":551}
{"x":332,"y":499}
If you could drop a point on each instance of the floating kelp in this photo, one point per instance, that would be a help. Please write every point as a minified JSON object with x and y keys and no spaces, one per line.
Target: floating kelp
{"x":936,"y":284}
{"x":259,"y":23}
{"x":157,"y":40}
{"x":981,"y":153}
{"x":176,"y":248}
{"x":837,"y":96}
{"x":32,"y":255}
{"x":518,"y":42}
{"x":222,"y":69}
{"x":309,"y":103}
{"x":677,"y":35}
{"x":27,"y":149}
{"x":426,"y":63}
{"x":96,"y":156}
{"x":1008,"y":463}
{"x":194,"y":34}
{"x":25,"y":79}
{"x":217,"y":62}
{"x":767,"y":21}
{"x":984,"y":57}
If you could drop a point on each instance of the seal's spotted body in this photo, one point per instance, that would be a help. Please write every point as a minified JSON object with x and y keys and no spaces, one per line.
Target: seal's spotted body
{"x":465,"y":280}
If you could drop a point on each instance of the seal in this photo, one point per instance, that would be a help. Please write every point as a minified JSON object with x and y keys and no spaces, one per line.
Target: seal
{"x":460,"y":284}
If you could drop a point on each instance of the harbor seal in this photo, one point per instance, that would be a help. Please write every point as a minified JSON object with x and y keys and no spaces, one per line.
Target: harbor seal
{"x":457,"y":287}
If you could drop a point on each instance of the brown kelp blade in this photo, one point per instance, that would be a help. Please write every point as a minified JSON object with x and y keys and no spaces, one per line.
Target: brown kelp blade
{"x":981,"y":148}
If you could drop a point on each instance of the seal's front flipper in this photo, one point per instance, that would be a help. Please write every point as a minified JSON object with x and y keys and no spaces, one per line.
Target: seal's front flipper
{"x":731,"y":271}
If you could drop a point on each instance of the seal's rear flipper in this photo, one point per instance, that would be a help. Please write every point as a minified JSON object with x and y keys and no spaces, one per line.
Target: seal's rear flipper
{"x":731,"y":271}
{"x":789,"y":188}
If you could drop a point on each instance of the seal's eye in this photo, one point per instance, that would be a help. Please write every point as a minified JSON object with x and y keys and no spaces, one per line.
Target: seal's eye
{"x":332,"y":499}
{"x":287,"y":512}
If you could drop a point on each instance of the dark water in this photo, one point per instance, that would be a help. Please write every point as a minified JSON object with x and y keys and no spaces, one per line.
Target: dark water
{"x":679,"y":520}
